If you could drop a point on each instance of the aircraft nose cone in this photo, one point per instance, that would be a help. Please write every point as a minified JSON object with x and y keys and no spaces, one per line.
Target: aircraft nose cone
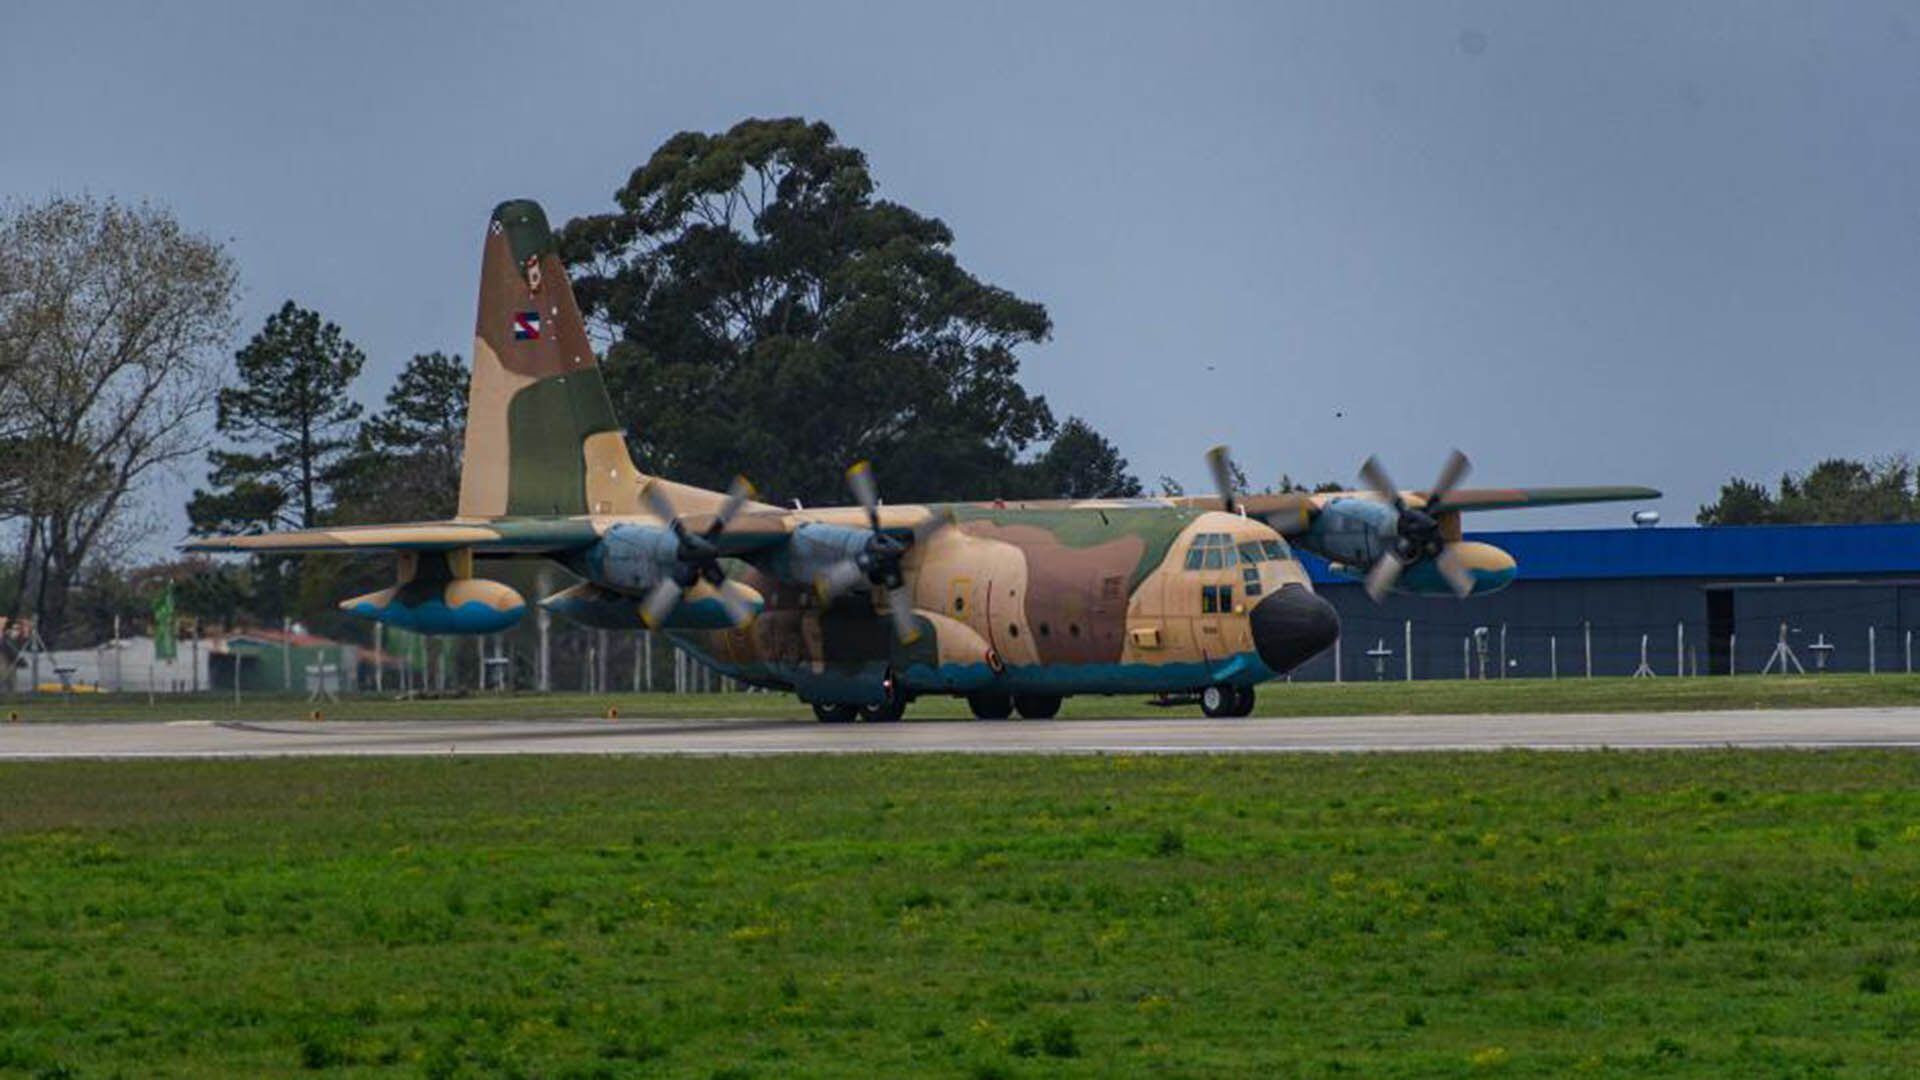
{"x":1291,"y":627}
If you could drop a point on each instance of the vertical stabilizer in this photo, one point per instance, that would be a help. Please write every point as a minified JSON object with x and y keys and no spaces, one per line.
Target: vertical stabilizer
{"x":541,"y":435}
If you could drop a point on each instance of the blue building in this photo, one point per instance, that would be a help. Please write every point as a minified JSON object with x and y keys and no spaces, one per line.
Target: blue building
{"x":1710,"y":600}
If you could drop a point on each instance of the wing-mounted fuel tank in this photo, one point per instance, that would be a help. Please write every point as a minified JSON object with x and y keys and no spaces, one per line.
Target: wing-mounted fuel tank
{"x":438,"y":594}
{"x":700,"y":608}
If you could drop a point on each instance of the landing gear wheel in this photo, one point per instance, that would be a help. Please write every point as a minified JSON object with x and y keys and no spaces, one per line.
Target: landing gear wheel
{"x":1217,"y":701}
{"x":1242,"y":701}
{"x":987,"y":705}
{"x":835,"y":714}
{"x":1037,"y":706}
{"x":893,"y":708}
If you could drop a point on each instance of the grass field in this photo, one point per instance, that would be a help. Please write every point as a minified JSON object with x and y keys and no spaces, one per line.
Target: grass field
{"x":1276,"y":699}
{"x":1512,"y":914}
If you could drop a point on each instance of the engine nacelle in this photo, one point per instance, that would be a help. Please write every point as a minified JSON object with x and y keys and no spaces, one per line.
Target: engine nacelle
{"x":631,"y":558}
{"x":815,"y":548}
{"x":456,"y":606}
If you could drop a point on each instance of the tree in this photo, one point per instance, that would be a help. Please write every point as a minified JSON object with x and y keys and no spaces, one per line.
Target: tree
{"x":110,"y":319}
{"x":1082,"y":464}
{"x":1834,"y":491}
{"x":405,"y":463}
{"x":291,"y":408}
{"x":1741,"y":502}
{"x":1289,"y":484}
{"x":766,"y":313}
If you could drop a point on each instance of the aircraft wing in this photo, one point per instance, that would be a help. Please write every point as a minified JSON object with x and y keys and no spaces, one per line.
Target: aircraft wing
{"x":1511,"y":498}
{"x":1291,"y":510}
{"x":506,"y":536}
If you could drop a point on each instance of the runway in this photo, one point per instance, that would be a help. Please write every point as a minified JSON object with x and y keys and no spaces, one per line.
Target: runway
{"x":1806,"y":728}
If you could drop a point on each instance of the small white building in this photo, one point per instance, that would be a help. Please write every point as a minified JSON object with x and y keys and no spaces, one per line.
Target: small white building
{"x":124,"y":665}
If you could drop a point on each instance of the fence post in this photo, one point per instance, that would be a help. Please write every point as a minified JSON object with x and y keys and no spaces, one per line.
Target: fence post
{"x":1336,"y":659}
{"x":1873,"y":652}
{"x":1586,"y":634}
{"x":1553,"y":656}
{"x":1406,"y":655}
{"x":1733,"y":652}
{"x":1466,"y":656}
{"x":1680,"y":649}
{"x":1503,"y":650}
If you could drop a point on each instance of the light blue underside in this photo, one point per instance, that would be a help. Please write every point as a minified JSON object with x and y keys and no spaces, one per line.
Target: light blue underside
{"x":860,"y":684}
{"x":436,"y":617}
{"x":1423,"y":578}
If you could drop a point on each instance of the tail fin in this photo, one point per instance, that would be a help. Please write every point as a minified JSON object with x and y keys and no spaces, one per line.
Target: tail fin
{"x":541,"y":435}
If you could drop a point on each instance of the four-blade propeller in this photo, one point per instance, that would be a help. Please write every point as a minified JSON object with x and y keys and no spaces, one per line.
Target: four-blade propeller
{"x":1417,"y":533}
{"x":878,"y":563}
{"x":697,"y":557}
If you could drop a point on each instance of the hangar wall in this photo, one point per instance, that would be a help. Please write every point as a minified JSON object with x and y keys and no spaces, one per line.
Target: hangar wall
{"x":1693,"y":592}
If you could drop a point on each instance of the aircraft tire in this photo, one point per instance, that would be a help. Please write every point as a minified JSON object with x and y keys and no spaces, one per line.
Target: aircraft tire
{"x":835,"y":714}
{"x":885,"y":713}
{"x":1217,"y":701}
{"x":1037,"y":706}
{"x":987,"y":705}
{"x":1242,"y":701}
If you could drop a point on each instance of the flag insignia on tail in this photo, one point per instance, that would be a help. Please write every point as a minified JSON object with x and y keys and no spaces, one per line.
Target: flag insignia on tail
{"x":526,"y":326}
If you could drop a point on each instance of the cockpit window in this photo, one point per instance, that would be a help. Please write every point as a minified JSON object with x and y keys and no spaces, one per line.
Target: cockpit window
{"x":1213,"y":551}
{"x":1259,"y":551}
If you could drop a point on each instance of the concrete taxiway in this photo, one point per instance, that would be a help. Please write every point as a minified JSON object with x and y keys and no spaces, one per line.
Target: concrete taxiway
{"x":1809,"y":728}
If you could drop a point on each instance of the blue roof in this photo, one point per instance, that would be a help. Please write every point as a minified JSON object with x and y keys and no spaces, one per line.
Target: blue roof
{"x":1728,"y":551}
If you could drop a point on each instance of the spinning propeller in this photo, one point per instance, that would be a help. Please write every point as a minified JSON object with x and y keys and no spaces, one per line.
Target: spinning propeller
{"x":697,"y":557}
{"x":1220,"y":464}
{"x":878,"y":563}
{"x":1417,"y":529}
{"x":1288,"y":514}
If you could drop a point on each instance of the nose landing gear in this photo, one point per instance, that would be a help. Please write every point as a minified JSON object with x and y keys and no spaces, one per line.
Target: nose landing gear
{"x":1223,"y":702}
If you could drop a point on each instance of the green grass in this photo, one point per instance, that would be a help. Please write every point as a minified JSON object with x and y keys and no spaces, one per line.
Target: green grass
{"x":1513,"y":914}
{"x":1276,"y":699}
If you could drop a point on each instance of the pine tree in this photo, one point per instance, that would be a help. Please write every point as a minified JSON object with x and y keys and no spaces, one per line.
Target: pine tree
{"x":292,"y":420}
{"x":405,"y":464}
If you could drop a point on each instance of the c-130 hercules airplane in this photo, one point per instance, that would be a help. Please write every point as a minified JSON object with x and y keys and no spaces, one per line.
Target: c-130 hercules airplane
{"x":860,"y":609}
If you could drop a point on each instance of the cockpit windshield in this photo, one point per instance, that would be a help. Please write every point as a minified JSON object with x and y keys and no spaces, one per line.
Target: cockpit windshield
{"x":1217,"y":551}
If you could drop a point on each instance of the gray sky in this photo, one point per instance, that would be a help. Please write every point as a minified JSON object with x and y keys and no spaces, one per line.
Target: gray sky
{"x":1587,"y":243}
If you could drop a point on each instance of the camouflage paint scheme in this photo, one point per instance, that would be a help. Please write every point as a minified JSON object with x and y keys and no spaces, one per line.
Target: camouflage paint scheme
{"x":1043,"y":599}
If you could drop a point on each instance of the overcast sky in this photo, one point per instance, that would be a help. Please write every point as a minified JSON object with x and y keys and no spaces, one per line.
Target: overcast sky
{"x":1587,"y":243}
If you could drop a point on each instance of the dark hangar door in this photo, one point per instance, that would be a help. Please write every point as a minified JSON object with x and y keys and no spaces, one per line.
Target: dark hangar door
{"x":1719,"y":631}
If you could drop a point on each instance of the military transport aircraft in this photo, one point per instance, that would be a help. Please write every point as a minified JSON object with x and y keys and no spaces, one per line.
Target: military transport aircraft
{"x":860,"y":609}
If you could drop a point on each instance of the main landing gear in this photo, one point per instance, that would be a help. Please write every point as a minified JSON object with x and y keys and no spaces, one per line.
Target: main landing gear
{"x":988,"y":705}
{"x":888,"y":711}
{"x":1221,"y":701}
